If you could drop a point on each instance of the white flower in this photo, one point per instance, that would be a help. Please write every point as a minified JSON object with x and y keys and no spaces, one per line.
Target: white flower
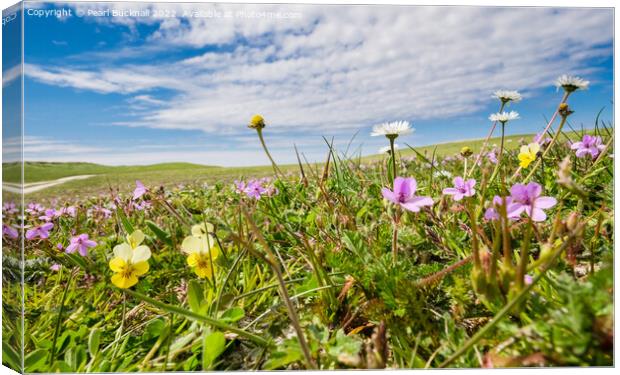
{"x":504,"y":117}
{"x":507,"y":95}
{"x":571,"y":83}
{"x":387,"y":149}
{"x":394,"y":129}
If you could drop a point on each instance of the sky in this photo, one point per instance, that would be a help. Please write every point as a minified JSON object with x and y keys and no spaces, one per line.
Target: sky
{"x":182,"y":85}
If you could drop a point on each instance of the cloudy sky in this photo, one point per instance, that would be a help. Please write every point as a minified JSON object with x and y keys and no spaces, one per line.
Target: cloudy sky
{"x":140,"y":90}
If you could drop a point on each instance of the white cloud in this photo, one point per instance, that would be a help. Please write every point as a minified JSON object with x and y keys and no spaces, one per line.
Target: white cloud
{"x":337,"y":69}
{"x":11,"y":74}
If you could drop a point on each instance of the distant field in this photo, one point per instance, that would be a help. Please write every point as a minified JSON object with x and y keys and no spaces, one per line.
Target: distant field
{"x":170,"y":174}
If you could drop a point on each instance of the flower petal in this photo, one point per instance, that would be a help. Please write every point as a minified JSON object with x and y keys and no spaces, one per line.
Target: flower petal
{"x":123,"y":282}
{"x":191,"y":245}
{"x":140,"y":268}
{"x":117,"y":264}
{"x":140,"y":254}
{"x":545,"y":202}
{"x":123,"y":251}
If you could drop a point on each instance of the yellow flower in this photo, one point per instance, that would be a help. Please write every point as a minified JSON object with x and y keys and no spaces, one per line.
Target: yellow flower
{"x":201,"y":251}
{"x":128,"y":264}
{"x":202,"y":229}
{"x":257,"y":122}
{"x":466,"y":152}
{"x":135,"y":239}
{"x":528,"y":154}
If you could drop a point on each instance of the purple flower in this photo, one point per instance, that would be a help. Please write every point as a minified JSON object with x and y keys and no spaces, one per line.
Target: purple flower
{"x":42,"y":231}
{"x":80,"y":243}
{"x":492,"y":212}
{"x":9,"y":231}
{"x":55,"y":267}
{"x":239,"y":186}
{"x":404,"y":194}
{"x":526,"y":198}
{"x":255,"y":189}
{"x":492,"y":157}
{"x":9,"y":208}
{"x":139,"y":191}
{"x":50,"y":214}
{"x":541,"y":139}
{"x":34,"y":208}
{"x":66,"y":211}
{"x":461,"y":188}
{"x":589,"y":145}
{"x":59,"y":246}
{"x":528,"y":279}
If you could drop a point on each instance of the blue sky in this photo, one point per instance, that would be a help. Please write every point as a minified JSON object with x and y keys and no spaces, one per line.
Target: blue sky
{"x":123,"y":90}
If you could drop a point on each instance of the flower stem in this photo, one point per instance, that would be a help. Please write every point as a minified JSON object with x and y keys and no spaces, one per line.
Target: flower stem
{"x":501,"y":154}
{"x":553,"y":140}
{"x":276,"y":170}
{"x":507,"y":308}
{"x":525,"y":253}
{"x":486,"y":141}
{"x":395,"y":236}
{"x":393,"y":159}
{"x":59,"y":319}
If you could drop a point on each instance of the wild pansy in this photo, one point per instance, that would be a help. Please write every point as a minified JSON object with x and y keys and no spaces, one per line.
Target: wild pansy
{"x":527,"y":154}
{"x":128,"y":264}
{"x":139,"y":191}
{"x":589,"y":145}
{"x":9,"y":232}
{"x":41,"y":231}
{"x":528,"y":199}
{"x":135,"y":239}
{"x":202,"y":250}
{"x":80,"y":243}
{"x":461,"y":188}
{"x":404,"y":195}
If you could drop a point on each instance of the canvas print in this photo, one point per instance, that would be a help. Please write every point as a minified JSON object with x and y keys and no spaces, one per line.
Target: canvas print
{"x":219,"y":187}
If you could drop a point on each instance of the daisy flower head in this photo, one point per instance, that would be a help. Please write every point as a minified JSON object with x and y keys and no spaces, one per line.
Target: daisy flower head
{"x":128,"y":264}
{"x":504,"y":117}
{"x":571,"y":83}
{"x":506,"y":96}
{"x":392,"y":129}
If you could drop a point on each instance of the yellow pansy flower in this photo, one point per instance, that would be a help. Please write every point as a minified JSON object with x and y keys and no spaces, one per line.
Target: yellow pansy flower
{"x":128,"y":264}
{"x":201,"y":230}
{"x":201,"y":251}
{"x":528,"y":154}
{"x":135,"y":239}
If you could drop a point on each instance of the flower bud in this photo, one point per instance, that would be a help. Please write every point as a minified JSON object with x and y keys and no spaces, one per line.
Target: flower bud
{"x":466,"y":152}
{"x":257,"y":122}
{"x":564,"y":110}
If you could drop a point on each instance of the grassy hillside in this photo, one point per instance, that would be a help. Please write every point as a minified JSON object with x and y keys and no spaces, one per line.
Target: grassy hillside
{"x":170,"y":174}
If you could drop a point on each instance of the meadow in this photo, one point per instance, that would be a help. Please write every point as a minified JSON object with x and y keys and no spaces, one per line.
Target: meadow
{"x":486,"y":253}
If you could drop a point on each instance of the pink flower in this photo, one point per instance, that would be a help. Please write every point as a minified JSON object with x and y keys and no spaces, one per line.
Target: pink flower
{"x":589,"y":145}
{"x":255,"y":188}
{"x":9,"y":208}
{"x":50,"y":214}
{"x":541,"y":139}
{"x":492,"y":157}
{"x":55,"y":267}
{"x":461,"y":188}
{"x":492,"y":212}
{"x":526,"y":198}
{"x":9,"y":231}
{"x":41,"y":231}
{"x":139,"y":191}
{"x":34,"y":208}
{"x":67,"y":211}
{"x":81,"y":243}
{"x":404,"y":194}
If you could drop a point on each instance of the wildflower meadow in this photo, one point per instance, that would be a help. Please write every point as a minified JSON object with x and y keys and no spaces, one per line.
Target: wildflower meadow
{"x":493,"y":256}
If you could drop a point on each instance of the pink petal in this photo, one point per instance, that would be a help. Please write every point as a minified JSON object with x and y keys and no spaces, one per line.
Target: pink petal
{"x":389,"y":195}
{"x":450,"y":191}
{"x":538,"y":215}
{"x":545,"y":202}
{"x":416,"y":203}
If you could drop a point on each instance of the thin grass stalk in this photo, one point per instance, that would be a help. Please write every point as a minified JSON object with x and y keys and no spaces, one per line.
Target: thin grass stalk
{"x":485,"y":143}
{"x":276,"y":170}
{"x":59,"y":318}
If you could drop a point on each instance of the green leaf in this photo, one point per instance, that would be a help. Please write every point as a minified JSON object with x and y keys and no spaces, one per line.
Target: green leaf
{"x":126,"y":224}
{"x":10,"y":356}
{"x":194,"y":296}
{"x":213,"y":345}
{"x":160,"y":233}
{"x":35,"y":360}
{"x":232,"y":315}
{"x":93,"y":342}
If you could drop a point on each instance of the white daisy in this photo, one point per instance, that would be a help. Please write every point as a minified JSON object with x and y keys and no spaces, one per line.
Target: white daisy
{"x":507,"y":96}
{"x":504,"y":117}
{"x":387,"y":149}
{"x":571,"y":83}
{"x":392,"y":129}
